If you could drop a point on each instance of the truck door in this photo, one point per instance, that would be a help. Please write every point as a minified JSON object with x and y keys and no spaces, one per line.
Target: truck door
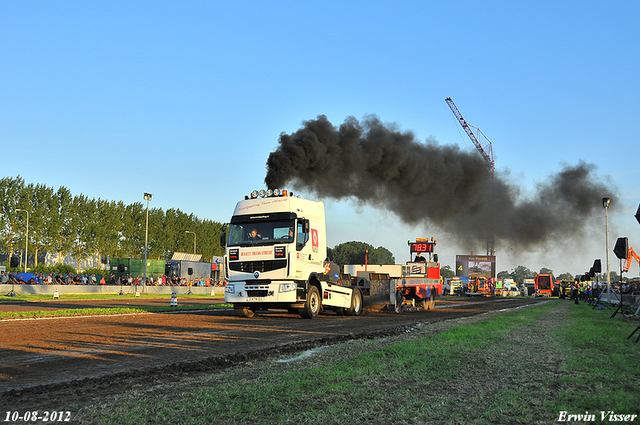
{"x":302,"y":249}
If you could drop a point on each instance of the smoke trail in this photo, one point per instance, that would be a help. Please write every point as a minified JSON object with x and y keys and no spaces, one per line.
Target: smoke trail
{"x":429,"y":183}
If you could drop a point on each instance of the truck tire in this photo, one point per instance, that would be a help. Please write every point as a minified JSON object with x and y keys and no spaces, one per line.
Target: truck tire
{"x":312,"y":305}
{"x":243,"y":312}
{"x":356,"y":304}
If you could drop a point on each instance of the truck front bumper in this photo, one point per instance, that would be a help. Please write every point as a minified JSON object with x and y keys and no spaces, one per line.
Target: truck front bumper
{"x":248,"y":293}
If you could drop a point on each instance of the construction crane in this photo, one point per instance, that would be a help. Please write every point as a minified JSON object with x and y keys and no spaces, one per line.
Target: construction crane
{"x":487,"y":154}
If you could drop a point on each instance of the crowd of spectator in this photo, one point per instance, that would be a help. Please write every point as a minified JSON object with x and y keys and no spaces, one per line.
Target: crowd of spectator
{"x":632,"y":287}
{"x":91,"y":279}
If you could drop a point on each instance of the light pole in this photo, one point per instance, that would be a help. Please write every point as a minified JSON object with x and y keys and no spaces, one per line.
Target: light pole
{"x":605,"y":204}
{"x":26,"y":240}
{"x":147,"y":197}
{"x":194,"y":240}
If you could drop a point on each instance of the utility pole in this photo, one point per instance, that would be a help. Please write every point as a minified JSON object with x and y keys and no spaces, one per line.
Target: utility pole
{"x":26,"y":240}
{"x":147,"y":197}
{"x":605,"y":204}
{"x":194,"y":239}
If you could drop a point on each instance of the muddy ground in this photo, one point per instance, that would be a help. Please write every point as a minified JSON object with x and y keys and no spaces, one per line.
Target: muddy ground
{"x":53,"y":363}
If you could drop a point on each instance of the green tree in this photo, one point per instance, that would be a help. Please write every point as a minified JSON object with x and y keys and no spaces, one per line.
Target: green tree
{"x":108,"y":232}
{"x":520,"y":273}
{"x":504,"y":275}
{"x":355,"y":252}
{"x":174,"y":226}
{"x":382,"y":255}
{"x":565,"y":276}
{"x":209,"y":239}
{"x":84,"y":228}
{"x":10,"y":190}
{"x":66,"y":224}
{"x":37,"y":200}
{"x":132,"y":240}
{"x":61,"y":215}
{"x":446,"y":272}
{"x":156,"y":237}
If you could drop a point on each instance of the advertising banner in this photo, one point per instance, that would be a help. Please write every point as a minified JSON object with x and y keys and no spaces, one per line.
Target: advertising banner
{"x":476,"y":266}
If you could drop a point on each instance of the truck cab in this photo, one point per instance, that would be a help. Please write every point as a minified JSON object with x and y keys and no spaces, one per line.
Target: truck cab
{"x":276,"y":257}
{"x":545,"y":285}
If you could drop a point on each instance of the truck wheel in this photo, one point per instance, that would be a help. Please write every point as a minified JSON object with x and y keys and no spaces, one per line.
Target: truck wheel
{"x":356,"y":304}
{"x":244,"y":312}
{"x":312,"y":305}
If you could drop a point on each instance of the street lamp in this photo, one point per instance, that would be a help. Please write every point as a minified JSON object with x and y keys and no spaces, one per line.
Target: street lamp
{"x":147,"y":197}
{"x":605,"y":204}
{"x":26,"y":240}
{"x":194,"y":240}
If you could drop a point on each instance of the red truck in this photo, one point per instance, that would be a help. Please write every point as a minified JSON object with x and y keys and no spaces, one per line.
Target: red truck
{"x":545,"y":286}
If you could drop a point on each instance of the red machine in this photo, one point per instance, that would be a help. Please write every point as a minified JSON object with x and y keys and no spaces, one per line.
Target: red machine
{"x":401,"y":287}
{"x":545,"y":286}
{"x":627,"y":263}
{"x":480,"y":286}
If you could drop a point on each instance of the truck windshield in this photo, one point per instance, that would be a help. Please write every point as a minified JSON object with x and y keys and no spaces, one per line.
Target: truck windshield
{"x":261,"y":233}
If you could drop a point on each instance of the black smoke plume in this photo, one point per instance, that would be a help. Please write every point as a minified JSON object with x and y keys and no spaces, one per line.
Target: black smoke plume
{"x":428,"y":183}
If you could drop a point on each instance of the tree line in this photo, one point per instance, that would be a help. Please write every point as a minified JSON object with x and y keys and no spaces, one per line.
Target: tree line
{"x":76,"y":225}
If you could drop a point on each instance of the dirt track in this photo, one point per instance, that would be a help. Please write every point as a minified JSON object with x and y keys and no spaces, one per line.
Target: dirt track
{"x":48,"y":363}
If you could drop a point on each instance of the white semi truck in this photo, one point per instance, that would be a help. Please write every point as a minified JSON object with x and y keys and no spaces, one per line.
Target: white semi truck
{"x":276,"y":257}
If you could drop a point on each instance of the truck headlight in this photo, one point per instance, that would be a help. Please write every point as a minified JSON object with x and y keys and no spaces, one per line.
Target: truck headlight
{"x":229,"y":289}
{"x":287,"y":287}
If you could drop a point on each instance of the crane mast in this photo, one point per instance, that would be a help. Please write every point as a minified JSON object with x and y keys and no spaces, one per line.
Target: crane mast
{"x":488,"y":156}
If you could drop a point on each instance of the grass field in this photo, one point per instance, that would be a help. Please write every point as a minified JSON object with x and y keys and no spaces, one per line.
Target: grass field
{"x":77,"y":296}
{"x":100,"y":311}
{"x":525,"y":366}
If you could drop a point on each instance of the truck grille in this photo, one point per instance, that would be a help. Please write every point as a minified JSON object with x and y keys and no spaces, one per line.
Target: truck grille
{"x":258,"y":293}
{"x":257,"y":266}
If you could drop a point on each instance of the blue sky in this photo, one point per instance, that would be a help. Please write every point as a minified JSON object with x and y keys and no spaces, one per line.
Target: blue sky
{"x":186,"y":100}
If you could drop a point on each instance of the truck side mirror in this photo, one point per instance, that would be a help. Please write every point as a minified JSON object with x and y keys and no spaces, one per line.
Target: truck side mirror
{"x":305,"y":225}
{"x":223,"y":235}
